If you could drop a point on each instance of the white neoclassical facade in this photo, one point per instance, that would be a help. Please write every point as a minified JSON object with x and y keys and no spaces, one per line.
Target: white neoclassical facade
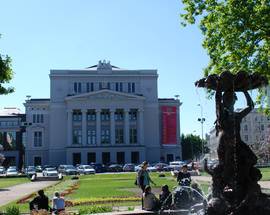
{"x":102,"y":114}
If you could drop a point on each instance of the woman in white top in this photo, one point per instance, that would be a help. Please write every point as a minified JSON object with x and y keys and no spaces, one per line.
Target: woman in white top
{"x":58,"y":203}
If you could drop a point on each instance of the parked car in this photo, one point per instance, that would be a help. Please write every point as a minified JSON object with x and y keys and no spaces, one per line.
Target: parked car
{"x":12,"y":172}
{"x":2,"y":170}
{"x":138,"y":167}
{"x":162,"y":167}
{"x":86,"y":169}
{"x":68,"y":170}
{"x":30,"y":171}
{"x":50,"y":171}
{"x":38,"y":169}
{"x":115,"y":168}
{"x":151,"y":168}
{"x":176,"y":165}
{"x":99,"y":167}
{"x":12,"y":167}
{"x":129,"y":167}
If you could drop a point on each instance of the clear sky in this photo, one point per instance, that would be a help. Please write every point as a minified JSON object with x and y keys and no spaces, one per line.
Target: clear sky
{"x":133,"y":34}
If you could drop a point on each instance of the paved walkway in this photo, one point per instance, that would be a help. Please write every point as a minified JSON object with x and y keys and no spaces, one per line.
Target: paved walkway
{"x":16,"y":192}
{"x":264,"y":184}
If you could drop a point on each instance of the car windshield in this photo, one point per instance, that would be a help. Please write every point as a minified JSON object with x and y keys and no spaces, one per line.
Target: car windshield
{"x":31,"y":169}
{"x":88,"y":167}
{"x":70,"y":167}
{"x":50,"y":169}
{"x":12,"y":170}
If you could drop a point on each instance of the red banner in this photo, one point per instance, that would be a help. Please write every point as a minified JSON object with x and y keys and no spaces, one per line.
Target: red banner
{"x":169,"y":125}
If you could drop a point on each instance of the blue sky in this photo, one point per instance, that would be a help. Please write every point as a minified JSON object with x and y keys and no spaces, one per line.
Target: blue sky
{"x":133,"y":34}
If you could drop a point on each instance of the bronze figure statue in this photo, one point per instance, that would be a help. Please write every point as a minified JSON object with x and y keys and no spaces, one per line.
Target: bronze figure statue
{"x":235,"y":188}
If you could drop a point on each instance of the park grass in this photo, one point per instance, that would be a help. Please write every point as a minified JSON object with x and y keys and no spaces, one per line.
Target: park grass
{"x":8,"y":182}
{"x":265,"y":174}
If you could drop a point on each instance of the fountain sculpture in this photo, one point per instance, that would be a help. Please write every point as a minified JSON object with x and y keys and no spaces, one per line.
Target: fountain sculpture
{"x":235,"y":188}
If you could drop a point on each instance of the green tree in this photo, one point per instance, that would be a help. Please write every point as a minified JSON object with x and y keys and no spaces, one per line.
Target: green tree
{"x":6,"y":74}
{"x":192,"y":146}
{"x":236,"y":33}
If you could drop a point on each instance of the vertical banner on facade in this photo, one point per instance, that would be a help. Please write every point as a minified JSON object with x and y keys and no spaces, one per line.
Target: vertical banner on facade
{"x":169,"y":125}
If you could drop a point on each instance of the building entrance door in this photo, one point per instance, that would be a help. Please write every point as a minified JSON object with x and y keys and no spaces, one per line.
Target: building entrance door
{"x":169,"y":157}
{"x":120,"y":157}
{"x":106,"y":158}
{"x":76,"y":158}
{"x":135,"y":157}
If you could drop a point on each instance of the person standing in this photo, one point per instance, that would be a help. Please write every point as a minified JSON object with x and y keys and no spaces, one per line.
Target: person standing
{"x":58,"y":203}
{"x":143,"y":177}
{"x":183,"y":177}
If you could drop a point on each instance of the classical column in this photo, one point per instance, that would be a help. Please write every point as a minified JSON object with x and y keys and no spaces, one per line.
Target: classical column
{"x":141,"y":128}
{"x":69,"y":127}
{"x":84,"y":127}
{"x":126,"y":126}
{"x":98,"y":126}
{"x":112,"y":126}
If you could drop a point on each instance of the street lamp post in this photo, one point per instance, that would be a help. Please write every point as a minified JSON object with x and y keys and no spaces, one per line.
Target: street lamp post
{"x":201,"y":120}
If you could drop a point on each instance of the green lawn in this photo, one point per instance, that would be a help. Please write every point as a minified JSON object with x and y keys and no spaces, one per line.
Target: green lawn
{"x":105,"y":187}
{"x":8,"y":182}
{"x":265,"y":174}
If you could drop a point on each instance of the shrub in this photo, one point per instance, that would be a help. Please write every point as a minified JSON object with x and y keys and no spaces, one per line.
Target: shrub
{"x":13,"y":210}
{"x":95,"y":209}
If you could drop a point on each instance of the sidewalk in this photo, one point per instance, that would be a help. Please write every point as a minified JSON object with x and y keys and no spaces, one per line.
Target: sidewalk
{"x":263,"y":184}
{"x":16,"y":192}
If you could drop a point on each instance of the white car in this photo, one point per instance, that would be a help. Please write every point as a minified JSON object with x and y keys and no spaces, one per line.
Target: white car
{"x":176,"y":165}
{"x":149,"y":168}
{"x":12,"y":172}
{"x":51,"y":172}
{"x":86,"y":169}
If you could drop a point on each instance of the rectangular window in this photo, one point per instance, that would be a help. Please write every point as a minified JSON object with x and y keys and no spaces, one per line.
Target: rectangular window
{"x":37,"y":139}
{"x":119,"y":116}
{"x":121,"y":87}
{"x":87,"y":87}
{"x":133,"y":88}
{"x":77,"y":136}
{"x":91,"y":116}
{"x":105,"y":116}
{"x":133,"y":115}
{"x":75,"y":87}
{"x":133,"y":135}
{"x":245,"y":127}
{"x":79,"y":87}
{"x":91,"y":157}
{"x":105,"y":136}
{"x":91,"y":136}
{"x":77,"y":116}
{"x":119,"y":135}
{"x":41,"y":118}
{"x":34,"y":118}
{"x":116,"y":86}
{"x":262,"y":127}
{"x":129,"y":87}
{"x":109,"y":85}
{"x":100,"y":85}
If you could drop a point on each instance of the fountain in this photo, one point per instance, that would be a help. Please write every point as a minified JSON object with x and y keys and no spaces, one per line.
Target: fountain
{"x":235,"y":188}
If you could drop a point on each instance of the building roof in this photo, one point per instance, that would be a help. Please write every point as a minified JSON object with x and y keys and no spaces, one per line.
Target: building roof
{"x":10,"y":111}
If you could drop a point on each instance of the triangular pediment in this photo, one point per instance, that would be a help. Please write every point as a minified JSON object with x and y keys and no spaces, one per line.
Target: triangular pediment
{"x":105,"y":94}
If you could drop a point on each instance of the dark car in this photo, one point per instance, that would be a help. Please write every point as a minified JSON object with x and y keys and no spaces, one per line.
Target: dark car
{"x":2,"y":170}
{"x":99,"y":167}
{"x":115,"y":168}
{"x":68,"y":170}
{"x":30,"y":171}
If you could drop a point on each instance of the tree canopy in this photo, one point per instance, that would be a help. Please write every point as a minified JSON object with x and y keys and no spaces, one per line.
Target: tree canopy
{"x":236,"y":33}
{"x":6,"y":74}
{"x":192,"y":146}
